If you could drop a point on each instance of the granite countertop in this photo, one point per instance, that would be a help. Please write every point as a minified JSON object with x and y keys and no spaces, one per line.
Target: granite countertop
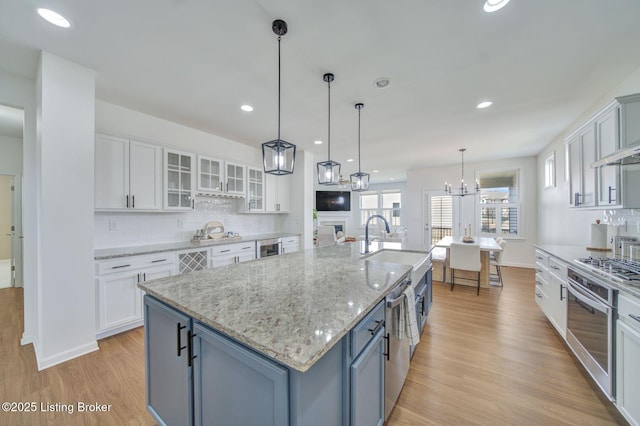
{"x":569,"y":254}
{"x":292,"y":307}
{"x":112,"y":253}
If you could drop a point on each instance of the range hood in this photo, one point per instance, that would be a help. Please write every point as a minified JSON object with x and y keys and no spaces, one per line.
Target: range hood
{"x":630,"y":154}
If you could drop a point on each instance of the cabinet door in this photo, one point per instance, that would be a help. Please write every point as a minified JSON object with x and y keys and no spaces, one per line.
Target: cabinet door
{"x":168,"y":374}
{"x":223,"y":260}
{"x":118,"y":300}
{"x":628,"y":372}
{"x":111,"y":172}
{"x":255,"y":191}
{"x":235,"y":179}
{"x":588,"y":148}
{"x":367,"y":384}
{"x":246,"y":256}
{"x":575,"y":173}
{"x":608,"y":177}
{"x":557,"y":301}
{"x":145,"y":171}
{"x":178,"y":181}
{"x":284,"y":193}
{"x":210,"y":174}
{"x":235,"y":386}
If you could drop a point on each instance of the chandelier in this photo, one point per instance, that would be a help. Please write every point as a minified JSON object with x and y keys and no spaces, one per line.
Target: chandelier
{"x":463,"y":190}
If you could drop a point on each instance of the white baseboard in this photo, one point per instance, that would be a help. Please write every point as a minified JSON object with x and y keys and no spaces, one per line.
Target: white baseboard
{"x":64,"y":356}
{"x":27,"y":339}
{"x":116,"y":330}
{"x":520,"y":265}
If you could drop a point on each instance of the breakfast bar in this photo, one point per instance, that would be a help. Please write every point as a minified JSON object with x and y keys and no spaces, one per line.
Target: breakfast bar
{"x":487,"y":245}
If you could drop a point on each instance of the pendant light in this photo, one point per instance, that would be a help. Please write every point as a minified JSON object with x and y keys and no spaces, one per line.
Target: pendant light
{"x":359,"y":181}
{"x":278,"y":156}
{"x":463,"y":186}
{"x":328,"y":171}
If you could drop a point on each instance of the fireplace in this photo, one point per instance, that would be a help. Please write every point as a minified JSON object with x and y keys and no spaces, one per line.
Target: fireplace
{"x":340,"y":226}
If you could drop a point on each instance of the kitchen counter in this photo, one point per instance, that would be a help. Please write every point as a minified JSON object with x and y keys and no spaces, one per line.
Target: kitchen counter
{"x":569,"y":254}
{"x":112,"y":253}
{"x":293,"y":308}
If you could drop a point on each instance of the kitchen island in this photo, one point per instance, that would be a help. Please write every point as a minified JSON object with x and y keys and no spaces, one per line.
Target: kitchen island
{"x":283,"y":340}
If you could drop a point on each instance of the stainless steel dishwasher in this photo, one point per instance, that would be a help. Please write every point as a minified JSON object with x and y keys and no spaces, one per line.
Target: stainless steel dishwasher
{"x":398,"y":350}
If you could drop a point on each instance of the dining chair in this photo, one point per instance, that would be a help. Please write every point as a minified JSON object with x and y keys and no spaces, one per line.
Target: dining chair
{"x":464,"y":257}
{"x":326,"y":235}
{"x":497,"y":261}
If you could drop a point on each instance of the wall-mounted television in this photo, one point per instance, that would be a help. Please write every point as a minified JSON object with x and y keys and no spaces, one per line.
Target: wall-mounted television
{"x":333,"y":201}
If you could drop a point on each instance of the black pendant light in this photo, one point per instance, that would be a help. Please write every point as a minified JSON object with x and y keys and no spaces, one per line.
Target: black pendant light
{"x":278,"y":156}
{"x":328,"y":171}
{"x":359,"y":181}
{"x":463,"y":186}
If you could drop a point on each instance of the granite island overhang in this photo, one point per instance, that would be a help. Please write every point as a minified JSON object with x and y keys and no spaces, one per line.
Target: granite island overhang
{"x":292,"y":308}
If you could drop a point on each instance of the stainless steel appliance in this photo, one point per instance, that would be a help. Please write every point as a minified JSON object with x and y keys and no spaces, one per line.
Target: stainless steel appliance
{"x":619,"y":246}
{"x":625,"y":271}
{"x":590,"y":321}
{"x":270,"y":247}
{"x":399,"y":350}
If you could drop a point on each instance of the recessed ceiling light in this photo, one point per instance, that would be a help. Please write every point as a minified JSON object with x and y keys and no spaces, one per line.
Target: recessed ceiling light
{"x":392,"y":178}
{"x":484,"y":104}
{"x":54,"y":18}
{"x":247,"y":108}
{"x":349,"y":160}
{"x":382,"y":83}
{"x":494,"y":5}
{"x":375,"y":171}
{"x":318,"y":142}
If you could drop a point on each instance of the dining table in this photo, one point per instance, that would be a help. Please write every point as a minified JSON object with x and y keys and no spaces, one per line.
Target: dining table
{"x":487,"y":245}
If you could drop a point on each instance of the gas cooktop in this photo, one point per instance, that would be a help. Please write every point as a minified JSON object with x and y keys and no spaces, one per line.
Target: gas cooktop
{"x":620,"y":270}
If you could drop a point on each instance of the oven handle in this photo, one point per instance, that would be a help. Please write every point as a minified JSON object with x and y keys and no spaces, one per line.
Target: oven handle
{"x":584,"y":299}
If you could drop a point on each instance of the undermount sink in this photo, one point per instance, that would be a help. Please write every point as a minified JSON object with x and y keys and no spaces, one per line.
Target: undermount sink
{"x":419,"y":261}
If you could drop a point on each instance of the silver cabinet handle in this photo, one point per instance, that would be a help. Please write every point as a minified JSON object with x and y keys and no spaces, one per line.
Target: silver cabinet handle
{"x":127,"y":200}
{"x":561,"y":298}
{"x":159,"y":260}
{"x":539,"y":257}
{"x":224,"y":251}
{"x":635,"y":317}
{"x":576,"y":199}
{"x":610,"y":199}
{"x":120,"y":266}
{"x":538,"y":294}
{"x":538,"y":270}
{"x":555,"y":267}
{"x":133,"y":201}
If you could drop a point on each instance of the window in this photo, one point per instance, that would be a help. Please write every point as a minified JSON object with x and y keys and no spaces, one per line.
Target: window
{"x":550,"y":171}
{"x":387,"y":203}
{"x":500,"y":203}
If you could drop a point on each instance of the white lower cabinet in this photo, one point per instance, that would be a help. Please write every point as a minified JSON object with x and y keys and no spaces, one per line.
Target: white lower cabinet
{"x":290,"y":244}
{"x":118,"y":298}
{"x":628,"y":359}
{"x":229,"y":254}
{"x":551,"y":290}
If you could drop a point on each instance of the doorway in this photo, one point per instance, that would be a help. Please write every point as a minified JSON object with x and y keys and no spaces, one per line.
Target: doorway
{"x":437,"y":216}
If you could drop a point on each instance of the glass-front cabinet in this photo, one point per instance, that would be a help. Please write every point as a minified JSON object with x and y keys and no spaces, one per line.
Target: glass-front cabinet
{"x":210,"y":175}
{"x":235,"y":179}
{"x":179,"y":176}
{"x":255,"y":195}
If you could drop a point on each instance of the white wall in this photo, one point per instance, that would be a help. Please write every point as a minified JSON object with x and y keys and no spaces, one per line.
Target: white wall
{"x":19,"y":92}
{"x":519,"y":252}
{"x":148,"y":228}
{"x":558,"y":223}
{"x":300,"y":218}
{"x":66,"y":290}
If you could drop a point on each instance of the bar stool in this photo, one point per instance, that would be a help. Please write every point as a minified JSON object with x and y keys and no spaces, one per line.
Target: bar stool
{"x":465,"y":257}
{"x":497,"y":262}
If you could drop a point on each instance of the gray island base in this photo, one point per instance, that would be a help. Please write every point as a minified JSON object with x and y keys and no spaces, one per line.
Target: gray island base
{"x":297,"y":339}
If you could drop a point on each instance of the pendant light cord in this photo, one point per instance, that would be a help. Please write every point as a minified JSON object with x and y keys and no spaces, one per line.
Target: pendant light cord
{"x":279,"y":90}
{"x":359,"y":165}
{"x":329,"y":124}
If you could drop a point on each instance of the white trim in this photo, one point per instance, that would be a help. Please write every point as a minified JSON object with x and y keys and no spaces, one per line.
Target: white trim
{"x":65,"y":356}
{"x":110,"y":332}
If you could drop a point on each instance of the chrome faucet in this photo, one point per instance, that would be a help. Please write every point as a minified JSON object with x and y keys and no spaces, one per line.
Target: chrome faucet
{"x":366,"y":230}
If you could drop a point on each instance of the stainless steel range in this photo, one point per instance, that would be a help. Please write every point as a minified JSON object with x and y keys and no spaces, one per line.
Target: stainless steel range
{"x":591,"y":313}
{"x":618,"y":270}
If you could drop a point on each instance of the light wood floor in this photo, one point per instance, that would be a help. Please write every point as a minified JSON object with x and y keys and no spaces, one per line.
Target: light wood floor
{"x":491,"y":359}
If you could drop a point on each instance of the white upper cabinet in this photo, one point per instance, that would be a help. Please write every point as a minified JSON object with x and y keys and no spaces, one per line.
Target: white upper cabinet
{"x":582,"y":178}
{"x":210,"y":175}
{"x":607,"y":143}
{"x":179,"y":170}
{"x":255,"y":190}
{"x":127,"y":174}
{"x":277,"y":195}
{"x":236,"y":179}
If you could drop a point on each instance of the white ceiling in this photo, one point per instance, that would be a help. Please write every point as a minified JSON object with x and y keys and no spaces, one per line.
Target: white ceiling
{"x":542,"y":62}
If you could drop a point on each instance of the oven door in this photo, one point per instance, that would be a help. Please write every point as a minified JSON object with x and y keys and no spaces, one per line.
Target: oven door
{"x":589,"y":328}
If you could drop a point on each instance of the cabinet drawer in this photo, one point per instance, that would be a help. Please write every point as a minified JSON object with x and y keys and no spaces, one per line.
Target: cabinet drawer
{"x":123,"y":264}
{"x":249,"y":246}
{"x":558,"y":268}
{"x":542,"y":258}
{"x":628,"y":308}
{"x":366,"y":329}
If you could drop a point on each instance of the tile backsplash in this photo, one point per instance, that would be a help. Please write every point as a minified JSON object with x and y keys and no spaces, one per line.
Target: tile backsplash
{"x":125,"y":229}
{"x":623,"y":221}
